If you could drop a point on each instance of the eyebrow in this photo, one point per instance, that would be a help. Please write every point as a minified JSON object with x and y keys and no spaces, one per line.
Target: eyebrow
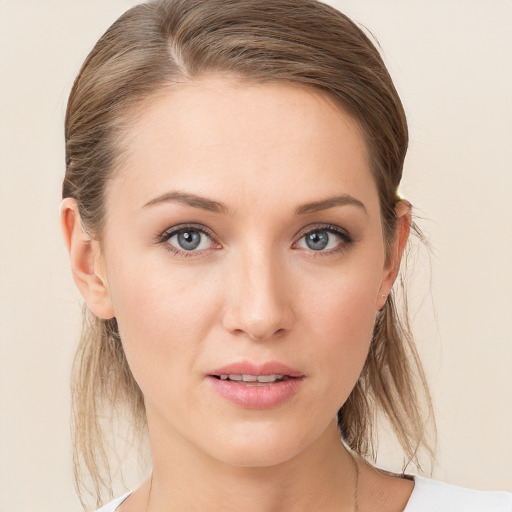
{"x":190,"y":200}
{"x":330,"y":202}
{"x":214,"y":206}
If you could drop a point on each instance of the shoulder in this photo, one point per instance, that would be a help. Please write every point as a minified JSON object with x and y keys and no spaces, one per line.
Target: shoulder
{"x":112,"y":506}
{"x":429,"y":495}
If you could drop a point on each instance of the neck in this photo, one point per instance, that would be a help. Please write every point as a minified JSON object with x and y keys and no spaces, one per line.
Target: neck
{"x":322,"y":477}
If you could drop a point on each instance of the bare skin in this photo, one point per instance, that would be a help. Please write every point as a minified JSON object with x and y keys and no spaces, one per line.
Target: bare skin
{"x":256,"y":173}
{"x":376,"y":491}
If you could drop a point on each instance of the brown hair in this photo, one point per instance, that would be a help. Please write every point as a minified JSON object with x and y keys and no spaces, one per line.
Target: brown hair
{"x":169,"y":42}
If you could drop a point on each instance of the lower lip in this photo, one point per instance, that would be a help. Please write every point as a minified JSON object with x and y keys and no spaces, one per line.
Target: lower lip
{"x":267,"y":396}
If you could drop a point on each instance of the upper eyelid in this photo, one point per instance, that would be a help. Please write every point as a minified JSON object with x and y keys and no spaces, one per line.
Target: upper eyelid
{"x":318,"y":227}
{"x":165,"y":235}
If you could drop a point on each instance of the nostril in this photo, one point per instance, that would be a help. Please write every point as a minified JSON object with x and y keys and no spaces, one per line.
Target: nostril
{"x":264,"y":336}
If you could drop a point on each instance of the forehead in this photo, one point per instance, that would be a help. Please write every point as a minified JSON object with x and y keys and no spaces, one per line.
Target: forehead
{"x":237,"y":142}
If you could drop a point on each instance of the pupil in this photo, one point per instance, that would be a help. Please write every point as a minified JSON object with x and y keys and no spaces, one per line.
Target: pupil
{"x":317,"y":240}
{"x":189,"y":239}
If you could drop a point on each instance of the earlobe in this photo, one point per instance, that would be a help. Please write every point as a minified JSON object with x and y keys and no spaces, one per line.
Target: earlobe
{"x":403,"y":212}
{"x":86,"y":261}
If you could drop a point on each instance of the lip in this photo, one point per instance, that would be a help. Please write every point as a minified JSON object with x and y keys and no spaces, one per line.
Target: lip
{"x":265,"y":396}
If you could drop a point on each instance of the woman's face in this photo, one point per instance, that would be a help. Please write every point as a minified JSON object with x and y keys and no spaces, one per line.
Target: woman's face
{"x":243,"y":237}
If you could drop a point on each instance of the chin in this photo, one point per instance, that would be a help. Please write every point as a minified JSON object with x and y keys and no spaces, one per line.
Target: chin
{"x":259,"y":446}
{"x":256,"y":456}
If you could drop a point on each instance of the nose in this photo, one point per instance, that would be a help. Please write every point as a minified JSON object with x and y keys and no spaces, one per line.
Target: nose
{"x":258,"y":301}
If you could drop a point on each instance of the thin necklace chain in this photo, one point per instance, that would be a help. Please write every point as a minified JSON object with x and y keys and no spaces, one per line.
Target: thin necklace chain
{"x":149,"y":492}
{"x":356,"y":486}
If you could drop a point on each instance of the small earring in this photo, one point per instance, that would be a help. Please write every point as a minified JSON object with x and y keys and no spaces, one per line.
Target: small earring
{"x":384,"y":296}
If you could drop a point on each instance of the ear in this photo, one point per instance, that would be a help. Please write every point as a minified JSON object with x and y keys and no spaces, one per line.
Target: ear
{"x":403,"y":212}
{"x":86,"y":261}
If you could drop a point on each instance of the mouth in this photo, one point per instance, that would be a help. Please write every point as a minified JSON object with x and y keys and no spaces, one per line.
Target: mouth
{"x":253,"y":380}
{"x":246,"y":372}
{"x":257,"y":386}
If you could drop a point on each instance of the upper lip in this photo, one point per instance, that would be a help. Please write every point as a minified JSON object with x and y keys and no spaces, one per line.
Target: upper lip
{"x":250,"y":368}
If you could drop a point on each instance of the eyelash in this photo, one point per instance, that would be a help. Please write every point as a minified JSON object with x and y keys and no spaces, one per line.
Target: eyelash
{"x":345,"y":243}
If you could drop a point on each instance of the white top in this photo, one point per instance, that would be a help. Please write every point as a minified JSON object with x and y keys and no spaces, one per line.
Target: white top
{"x":428,"y":496}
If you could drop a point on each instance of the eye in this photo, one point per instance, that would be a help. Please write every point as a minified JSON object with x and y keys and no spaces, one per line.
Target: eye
{"x":188,"y":239}
{"x":326,"y":239}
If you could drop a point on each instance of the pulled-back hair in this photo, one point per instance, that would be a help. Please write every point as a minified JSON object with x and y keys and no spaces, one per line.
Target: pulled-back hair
{"x":167,"y":43}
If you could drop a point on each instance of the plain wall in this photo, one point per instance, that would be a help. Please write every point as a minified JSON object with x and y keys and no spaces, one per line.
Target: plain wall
{"x":450,"y":60}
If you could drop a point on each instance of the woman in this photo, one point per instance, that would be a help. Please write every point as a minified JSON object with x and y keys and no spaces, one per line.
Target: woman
{"x":233,"y":223}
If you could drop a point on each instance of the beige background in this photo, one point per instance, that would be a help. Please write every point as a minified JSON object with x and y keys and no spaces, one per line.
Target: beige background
{"x":451,"y":63}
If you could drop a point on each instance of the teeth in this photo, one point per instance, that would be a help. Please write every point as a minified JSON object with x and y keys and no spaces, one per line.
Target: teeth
{"x":269,"y":378}
{"x":252,"y":378}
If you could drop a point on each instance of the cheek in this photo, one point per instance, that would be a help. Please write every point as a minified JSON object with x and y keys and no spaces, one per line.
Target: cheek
{"x":163,"y":315}
{"x":341,"y":321}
